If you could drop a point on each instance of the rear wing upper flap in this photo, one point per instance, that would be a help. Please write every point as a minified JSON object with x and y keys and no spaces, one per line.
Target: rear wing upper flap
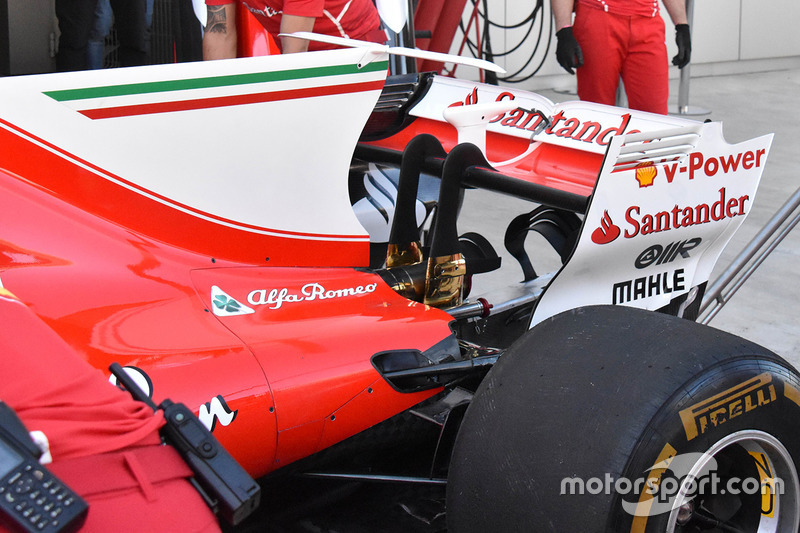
{"x":582,"y":126}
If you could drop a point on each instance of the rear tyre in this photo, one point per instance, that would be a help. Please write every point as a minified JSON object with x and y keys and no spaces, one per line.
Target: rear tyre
{"x":599,"y":418}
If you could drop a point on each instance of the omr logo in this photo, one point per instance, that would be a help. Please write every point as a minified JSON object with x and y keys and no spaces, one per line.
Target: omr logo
{"x":607,"y":231}
{"x":646,"y":174}
{"x":660,"y":255}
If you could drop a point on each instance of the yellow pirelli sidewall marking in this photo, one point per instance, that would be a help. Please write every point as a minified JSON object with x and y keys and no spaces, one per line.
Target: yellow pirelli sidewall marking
{"x":791,"y":393}
{"x":767,"y":483}
{"x":728,"y":404}
{"x":653,"y":480}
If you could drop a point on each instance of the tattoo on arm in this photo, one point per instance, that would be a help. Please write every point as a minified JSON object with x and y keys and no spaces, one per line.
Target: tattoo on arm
{"x":217,"y":21}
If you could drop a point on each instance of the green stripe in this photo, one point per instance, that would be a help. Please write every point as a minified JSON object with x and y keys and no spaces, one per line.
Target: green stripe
{"x":217,"y":81}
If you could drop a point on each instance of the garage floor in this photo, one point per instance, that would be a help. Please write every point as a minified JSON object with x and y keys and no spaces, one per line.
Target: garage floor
{"x":306,"y":506}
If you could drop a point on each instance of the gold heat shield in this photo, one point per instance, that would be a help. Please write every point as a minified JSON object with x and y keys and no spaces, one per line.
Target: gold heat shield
{"x":397,"y":255}
{"x":445,"y":280}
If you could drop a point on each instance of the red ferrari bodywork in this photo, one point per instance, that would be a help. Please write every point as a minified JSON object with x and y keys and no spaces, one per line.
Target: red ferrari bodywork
{"x":125,"y":275}
{"x":298,"y":380}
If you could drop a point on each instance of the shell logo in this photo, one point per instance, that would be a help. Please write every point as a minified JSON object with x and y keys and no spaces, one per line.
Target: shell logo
{"x":646,"y":174}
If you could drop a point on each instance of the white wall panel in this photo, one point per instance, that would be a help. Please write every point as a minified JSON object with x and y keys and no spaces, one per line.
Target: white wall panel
{"x":715,"y":31}
{"x":769,"y":28}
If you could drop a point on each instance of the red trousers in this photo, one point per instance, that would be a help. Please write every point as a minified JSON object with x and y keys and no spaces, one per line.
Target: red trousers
{"x":105,"y":445}
{"x":136,"y":490}
{"x":630,"y":47}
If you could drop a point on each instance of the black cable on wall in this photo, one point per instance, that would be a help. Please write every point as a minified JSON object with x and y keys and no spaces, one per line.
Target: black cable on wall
{"x":536,"y":23}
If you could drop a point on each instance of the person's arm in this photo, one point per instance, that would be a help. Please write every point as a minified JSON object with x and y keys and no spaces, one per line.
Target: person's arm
{"x":562,"y":12}
{"x":683,"y":38}
{"x":219,"y":37}
{"x":291,"y":24}
{"x":677,"y":11}
{"x":568,"y":51}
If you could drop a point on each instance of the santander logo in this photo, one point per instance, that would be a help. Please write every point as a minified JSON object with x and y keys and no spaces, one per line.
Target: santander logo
{"x":607,"y":231}
{"x":561,"y":125}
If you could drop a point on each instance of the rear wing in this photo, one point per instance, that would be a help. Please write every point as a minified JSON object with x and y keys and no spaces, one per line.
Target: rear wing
{"x":582,"y":126}
{"x":527,"y":136}
{"x":664,"y":206}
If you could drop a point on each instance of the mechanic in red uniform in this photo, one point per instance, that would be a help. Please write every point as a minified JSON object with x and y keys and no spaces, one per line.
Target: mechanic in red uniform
{"x":354,"y":19}
{"x":620,"y":38}
{"x":103,"y":445}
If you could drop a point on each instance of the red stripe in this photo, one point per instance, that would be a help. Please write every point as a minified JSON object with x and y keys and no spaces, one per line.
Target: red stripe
{"x":169,"y":201}
{"x":50,"y":171}
{"x":224,"y":101}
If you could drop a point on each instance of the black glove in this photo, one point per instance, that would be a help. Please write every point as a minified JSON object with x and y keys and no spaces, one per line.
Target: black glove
{"x":568,"y":51}
{"x":684,"y":41}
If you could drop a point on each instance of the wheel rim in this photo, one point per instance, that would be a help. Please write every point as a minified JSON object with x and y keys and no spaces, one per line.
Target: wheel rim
{"x":760,"y":462}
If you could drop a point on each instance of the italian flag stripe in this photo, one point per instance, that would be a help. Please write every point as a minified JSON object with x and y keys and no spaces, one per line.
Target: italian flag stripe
{"x":223,"y":101}
{"x":211,"y":82}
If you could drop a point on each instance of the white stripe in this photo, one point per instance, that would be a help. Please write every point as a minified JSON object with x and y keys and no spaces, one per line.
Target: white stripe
{"x":200,"y":215}
{"x":337,"y":20}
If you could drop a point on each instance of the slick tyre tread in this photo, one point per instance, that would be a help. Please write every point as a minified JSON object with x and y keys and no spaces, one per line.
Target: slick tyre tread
{"x":592,"y":392}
